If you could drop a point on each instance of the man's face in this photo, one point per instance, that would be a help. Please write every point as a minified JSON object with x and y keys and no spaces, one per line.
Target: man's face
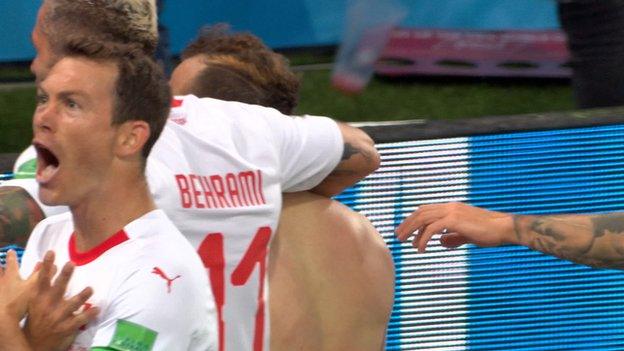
{"x":182,"y":77}
{"x":43,"y":58}
{"x":73,"y":134}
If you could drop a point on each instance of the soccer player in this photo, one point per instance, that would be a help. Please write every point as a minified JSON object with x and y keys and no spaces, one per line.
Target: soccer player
{"x":234,"y":167}
{"x":326,"y":261}
{"x":100,"y":109}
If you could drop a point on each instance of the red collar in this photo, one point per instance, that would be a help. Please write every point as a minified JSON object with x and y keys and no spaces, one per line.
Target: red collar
{"x":82,"y":258}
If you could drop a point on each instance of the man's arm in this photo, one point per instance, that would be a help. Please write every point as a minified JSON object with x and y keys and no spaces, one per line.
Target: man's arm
{"x":359,"y":159}
{"x":594,"y":240}
{"x":19,"y":213}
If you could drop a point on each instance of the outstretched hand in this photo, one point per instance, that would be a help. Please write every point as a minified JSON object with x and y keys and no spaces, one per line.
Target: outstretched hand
{"x":459,"y":224}
{"x":53,"y":321}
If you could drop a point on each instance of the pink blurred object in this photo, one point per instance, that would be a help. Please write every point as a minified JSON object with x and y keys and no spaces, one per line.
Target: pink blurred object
{"x":367,"y":29}
{"x":475,"y":53}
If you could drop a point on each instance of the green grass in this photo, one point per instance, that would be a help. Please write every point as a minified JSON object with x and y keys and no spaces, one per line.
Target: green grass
{"x":433,"y":99}
{"x":16,"y":109}
{"x":382,"y":100}
{"x":15,"y":72}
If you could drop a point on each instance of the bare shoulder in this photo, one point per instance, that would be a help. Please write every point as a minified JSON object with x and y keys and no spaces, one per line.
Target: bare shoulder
{"x":309,"y":218}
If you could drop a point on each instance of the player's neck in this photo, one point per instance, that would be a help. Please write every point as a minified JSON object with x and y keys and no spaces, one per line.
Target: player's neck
{"x":110,"y":209}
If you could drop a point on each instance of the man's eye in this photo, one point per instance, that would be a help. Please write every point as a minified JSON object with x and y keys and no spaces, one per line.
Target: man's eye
{"x":72,"y":104}
{"x":42,"y":99}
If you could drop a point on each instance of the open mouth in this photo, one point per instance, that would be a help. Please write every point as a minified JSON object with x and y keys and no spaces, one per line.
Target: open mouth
{"x":47,"y":163}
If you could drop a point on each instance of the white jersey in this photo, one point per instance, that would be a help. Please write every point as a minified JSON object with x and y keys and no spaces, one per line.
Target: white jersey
{"x":147,"y":282}
{"x":218,"y":171}
{"x":26,"y":164}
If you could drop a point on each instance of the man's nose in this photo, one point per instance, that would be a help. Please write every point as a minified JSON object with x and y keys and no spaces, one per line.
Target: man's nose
{"x":43,"y":119}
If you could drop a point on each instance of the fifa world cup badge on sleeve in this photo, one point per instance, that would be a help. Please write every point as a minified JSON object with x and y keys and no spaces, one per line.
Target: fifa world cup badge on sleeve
{"x":132,"y":337}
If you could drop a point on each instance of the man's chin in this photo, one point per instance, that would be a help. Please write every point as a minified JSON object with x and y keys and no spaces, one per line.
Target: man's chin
{"x":49,"y":199}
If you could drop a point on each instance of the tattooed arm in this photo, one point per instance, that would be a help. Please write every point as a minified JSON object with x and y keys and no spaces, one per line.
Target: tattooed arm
{"x":19,"y":213}
{"x":594,"y":240}
{"x":359,"y":159}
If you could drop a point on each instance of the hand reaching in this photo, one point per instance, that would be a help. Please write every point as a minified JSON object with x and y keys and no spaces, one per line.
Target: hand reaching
{"x":459,"y":224}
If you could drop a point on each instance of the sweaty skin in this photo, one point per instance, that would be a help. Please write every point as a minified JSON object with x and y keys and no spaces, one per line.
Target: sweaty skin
{"x":331,"y":278}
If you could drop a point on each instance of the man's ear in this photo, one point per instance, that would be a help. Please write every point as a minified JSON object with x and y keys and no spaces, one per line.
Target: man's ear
{"x":131,"y":137}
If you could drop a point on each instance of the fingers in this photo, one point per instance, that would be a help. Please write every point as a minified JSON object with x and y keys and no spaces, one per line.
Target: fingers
{"x":423,"y":238}
{"x":74,"y":319}
{"x":422,"y":217}
{"x":75,"y":302}
{"x":47,"y":271}
{"x":83,"y":318}
{"x":12,"y":267}
{"x":453,"y":240}
{"x":410,"y":224}
{"x":60,"y":283}
{"x":429,"y":220}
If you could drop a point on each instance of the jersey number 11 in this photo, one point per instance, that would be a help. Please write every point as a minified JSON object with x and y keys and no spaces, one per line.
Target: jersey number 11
{"x":211,"y":253}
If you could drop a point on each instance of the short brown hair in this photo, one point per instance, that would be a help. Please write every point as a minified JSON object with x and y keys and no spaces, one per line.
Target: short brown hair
{"x":141,"y":91}
{"x":260,"y":75}
{"x":118,"y":21}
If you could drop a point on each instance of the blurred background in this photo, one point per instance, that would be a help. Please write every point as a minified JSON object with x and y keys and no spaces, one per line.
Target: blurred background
{"x":309,"y":32}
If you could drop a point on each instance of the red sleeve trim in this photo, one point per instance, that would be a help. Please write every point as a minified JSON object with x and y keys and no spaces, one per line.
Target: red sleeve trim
{"x":82,"y":258}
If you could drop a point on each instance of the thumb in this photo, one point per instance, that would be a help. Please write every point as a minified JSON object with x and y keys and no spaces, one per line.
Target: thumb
{"x":453,"y":240}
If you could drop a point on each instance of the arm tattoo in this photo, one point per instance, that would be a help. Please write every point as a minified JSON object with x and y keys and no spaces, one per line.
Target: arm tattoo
{"x":593,"y":240}
{"x":349,"y":150}
{"x":19,"y":213}
{"x":613,"y":223}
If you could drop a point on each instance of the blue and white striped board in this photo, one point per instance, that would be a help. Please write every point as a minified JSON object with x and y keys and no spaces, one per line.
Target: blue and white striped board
{"x":5,"y":249}
{"x":507,"y":298}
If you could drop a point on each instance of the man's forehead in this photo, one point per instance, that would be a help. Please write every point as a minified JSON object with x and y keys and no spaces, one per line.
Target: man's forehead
{"x":72,"y":72}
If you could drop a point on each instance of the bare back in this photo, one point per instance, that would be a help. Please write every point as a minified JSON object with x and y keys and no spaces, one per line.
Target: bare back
{"x":331,"y":278}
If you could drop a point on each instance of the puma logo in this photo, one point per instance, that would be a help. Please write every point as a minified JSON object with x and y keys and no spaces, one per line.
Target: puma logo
{"x":159,"y":272}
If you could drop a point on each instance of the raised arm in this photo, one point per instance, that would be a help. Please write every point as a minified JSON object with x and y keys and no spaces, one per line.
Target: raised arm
{"x":19,"y":213}
{"x":593,"y":240}
{"x":359,"y":159}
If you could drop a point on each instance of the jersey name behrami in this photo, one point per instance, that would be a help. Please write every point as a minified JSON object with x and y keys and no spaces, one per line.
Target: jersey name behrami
{"x":242,"y":189}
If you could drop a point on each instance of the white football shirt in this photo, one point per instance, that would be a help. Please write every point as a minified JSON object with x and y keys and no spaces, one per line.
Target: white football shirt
{"x":147,"y":282}
{"x":218,"y":171}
